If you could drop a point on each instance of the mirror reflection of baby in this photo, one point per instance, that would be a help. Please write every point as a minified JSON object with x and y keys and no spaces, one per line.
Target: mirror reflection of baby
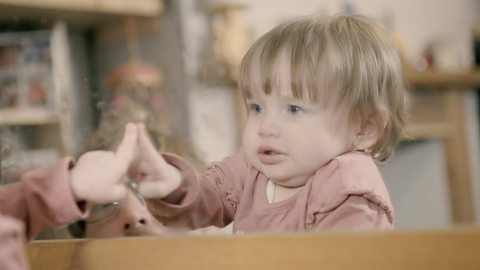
{"x":326,"y":99}
{"x":59,"y":194}
{"x":126,"y":217}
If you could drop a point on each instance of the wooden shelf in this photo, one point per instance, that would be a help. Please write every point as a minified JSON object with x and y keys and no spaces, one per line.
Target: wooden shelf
{"x":438,"y":80}
{"x":34,"y":116}
{"x":83,"y":13}
{"x":428,"y":131}
{"x":149,"y":8}
{"x":443,"y":79}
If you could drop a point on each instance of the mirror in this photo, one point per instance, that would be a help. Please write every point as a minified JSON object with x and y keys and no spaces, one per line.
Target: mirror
{"x":72,"y":79}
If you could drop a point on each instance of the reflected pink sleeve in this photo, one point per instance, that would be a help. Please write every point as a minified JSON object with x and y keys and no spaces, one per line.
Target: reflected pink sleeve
{"x":42,"y":198}
{"x":12,"y":244}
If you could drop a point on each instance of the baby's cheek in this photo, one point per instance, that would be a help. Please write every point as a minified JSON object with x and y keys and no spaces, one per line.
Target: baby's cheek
{"x":249,"y":153}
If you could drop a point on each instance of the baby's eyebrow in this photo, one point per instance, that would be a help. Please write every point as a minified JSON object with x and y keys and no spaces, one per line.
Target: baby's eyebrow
{"x":253,"y":96}
{"x":293,"y":99}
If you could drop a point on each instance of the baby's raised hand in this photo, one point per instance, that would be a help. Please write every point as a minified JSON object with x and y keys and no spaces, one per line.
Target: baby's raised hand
{"x":97,"y":175}
{"x":157,"y":178}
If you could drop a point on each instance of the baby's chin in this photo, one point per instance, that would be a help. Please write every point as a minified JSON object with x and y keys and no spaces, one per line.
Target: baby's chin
{"x":288,"y":181}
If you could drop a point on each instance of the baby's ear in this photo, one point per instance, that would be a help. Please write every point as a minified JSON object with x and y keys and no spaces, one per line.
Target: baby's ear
{"x":369,"y":132}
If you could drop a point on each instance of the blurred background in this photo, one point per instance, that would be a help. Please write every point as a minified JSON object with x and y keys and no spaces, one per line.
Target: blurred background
{"x":64,"y":63}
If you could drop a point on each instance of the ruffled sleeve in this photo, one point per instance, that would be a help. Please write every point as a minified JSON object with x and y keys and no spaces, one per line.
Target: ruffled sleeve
{"x":349,"y":194}
{"x":356,"y":213}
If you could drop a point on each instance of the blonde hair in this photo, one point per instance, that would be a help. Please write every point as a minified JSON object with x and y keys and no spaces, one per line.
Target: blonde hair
{"x":347,"y":61}
{"x":110,"y":132}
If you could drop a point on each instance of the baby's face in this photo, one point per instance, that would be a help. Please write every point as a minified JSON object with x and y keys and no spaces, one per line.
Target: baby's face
{"x":288,"y":139}
{"x":131,"y":219}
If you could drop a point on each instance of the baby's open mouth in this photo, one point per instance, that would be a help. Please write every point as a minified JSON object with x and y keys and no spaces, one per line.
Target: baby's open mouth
{"x":269,"y":151}
{"x":269,"y":155}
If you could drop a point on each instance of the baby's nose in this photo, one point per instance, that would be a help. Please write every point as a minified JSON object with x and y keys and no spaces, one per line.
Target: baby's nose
{"x":135,"y":223}
{"x":268,"y":127}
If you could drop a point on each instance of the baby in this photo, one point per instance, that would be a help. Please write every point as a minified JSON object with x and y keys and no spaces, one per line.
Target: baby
{"x":326,"y":99}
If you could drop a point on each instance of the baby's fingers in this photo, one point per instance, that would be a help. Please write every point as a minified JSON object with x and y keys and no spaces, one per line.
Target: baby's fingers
{"x":127,"y":148}
{"x":115,"y":193}
{"x":147,"y":149}
{"x":154,"y":189}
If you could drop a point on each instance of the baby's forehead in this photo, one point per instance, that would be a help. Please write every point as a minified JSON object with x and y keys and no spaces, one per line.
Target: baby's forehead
{"x":286,"y":97}
{"x":286,"y":78}
{"x":283,"y":92}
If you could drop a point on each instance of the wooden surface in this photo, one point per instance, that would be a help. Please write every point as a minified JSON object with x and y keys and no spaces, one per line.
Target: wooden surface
{"x":457,"y":249}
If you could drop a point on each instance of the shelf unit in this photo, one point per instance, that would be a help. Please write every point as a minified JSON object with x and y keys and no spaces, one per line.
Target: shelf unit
{"x":29,"y":105}
{"x":437,"y":83}
{"x":54,"y":128}
{"x":438,"y":113}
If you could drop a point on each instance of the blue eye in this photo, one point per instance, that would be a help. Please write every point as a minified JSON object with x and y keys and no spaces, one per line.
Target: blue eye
{"x":255,"y":108}
{"x":292,"y":109}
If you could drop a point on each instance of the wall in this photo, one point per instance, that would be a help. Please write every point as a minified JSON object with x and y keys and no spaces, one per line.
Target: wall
{"x":214,"y":129}
{"x":417,"y":21}
{"x":417,"y":181}
{"x":417,"y":175}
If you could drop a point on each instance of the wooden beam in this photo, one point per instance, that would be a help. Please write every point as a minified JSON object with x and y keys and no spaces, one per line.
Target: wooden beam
{"x":458,"y":161}
{"x":452,"y":249}
{"x":444,"y":117}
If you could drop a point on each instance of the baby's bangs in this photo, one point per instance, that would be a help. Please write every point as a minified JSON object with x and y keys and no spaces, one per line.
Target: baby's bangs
{"x":305,"y":72}
{"x":246,"y":80}
{"x":258,"y":70}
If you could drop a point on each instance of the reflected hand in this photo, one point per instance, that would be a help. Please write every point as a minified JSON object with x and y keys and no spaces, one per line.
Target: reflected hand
{"x":97,"y":176}
{"x":157,"y":179}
